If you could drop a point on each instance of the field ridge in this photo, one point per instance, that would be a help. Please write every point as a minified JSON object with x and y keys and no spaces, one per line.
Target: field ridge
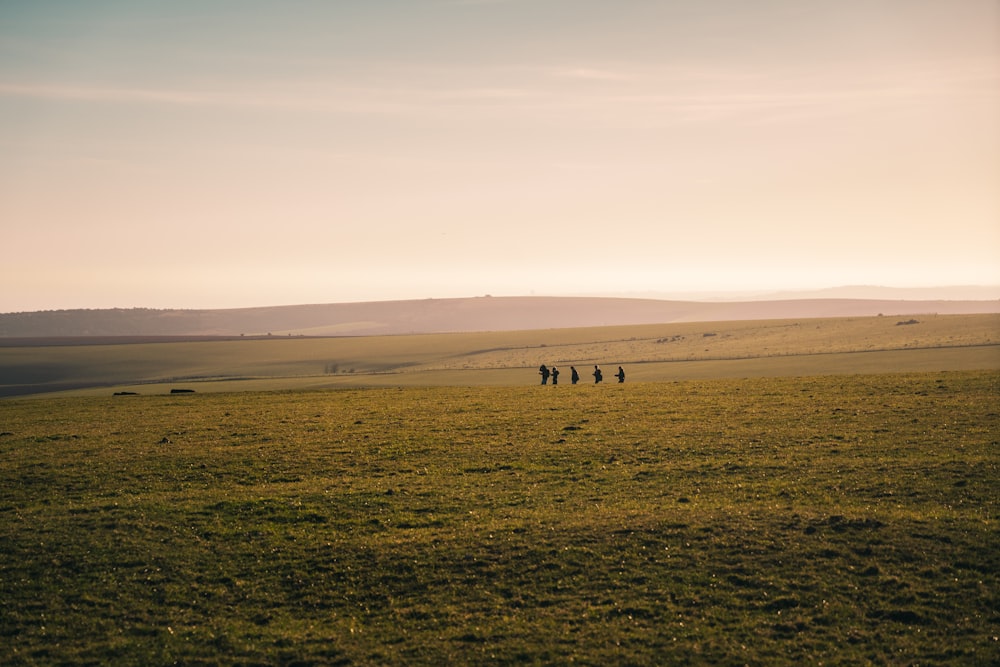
{"x":452,"y":315}
{"x":655,"y":352}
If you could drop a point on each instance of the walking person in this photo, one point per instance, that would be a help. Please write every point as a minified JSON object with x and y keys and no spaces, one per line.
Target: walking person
{"x":544,"y":372}
{"x":574,"y":376}
{"x":598,"y":375}
{"x":555,"y":375}
{"x":620,"y":375}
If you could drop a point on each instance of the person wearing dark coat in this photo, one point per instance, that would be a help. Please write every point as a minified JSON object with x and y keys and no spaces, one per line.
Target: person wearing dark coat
{"x":574,"y":376}
{"x":555,"y":375}
{"x":620,"y":375}
{"x":598,"y":375}
{"x":544,"y":372}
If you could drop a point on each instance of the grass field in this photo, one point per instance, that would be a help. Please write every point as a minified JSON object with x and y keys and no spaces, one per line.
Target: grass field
{"x":847,"y":519}
{"x":650,"y":352}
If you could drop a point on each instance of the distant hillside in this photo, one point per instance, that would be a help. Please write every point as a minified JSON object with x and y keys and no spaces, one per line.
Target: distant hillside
{"x":868,"y":292}
{"x":954,"y":293}
{"x":449,"y":315}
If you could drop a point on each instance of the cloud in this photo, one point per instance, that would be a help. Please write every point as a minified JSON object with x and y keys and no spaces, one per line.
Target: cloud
{"x":293,"y":99}
{"x":588,"y":95}
{"x":476,"y":3}
{"x":592,"y":74}
{"x":86,"y":93}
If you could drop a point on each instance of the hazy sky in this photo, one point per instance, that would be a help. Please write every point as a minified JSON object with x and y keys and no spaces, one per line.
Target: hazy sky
{"x":191,"y":153}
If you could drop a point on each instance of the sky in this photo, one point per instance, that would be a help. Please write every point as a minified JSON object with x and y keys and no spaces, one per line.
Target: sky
{"x":222,"y":154}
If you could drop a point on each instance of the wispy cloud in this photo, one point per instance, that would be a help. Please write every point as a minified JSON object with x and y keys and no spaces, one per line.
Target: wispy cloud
{"x":603,"y":95}
{"x":85,"y":93}
{"x":347,"y":100}
{"x":593,"y":74}
{"x":473,"y":3}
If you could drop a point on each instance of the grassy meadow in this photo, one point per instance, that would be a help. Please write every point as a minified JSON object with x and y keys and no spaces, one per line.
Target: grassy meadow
{"x":839,"y":519}
{"x":654,"y":353}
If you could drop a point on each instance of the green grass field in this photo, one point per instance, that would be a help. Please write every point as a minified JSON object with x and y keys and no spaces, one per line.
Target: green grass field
{"x":842,"y":519}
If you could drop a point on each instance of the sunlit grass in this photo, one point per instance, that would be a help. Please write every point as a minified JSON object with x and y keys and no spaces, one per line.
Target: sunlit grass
{"x":841,"y":520}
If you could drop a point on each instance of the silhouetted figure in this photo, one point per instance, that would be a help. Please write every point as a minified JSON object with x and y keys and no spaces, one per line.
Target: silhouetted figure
{"x":544,"y":372}
{"x":620,"y":375}
{"x":598,"y":375}
{"x":574,"y":376}
{"x":555,"y":375}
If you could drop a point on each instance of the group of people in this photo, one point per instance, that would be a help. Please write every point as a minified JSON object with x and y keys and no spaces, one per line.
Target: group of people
{"x":574,"y":377}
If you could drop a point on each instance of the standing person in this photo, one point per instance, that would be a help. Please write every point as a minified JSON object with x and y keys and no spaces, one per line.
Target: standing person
{"x":598,"y":375}
{"x":544,"y":372}
{"x":620,"y":375}
{"x":574,"y":376}
{"x":555,"y":375}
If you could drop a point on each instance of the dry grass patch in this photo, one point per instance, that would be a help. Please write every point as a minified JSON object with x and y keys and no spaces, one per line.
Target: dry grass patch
{"x":734,"y":340}
{"x":434,"y":359}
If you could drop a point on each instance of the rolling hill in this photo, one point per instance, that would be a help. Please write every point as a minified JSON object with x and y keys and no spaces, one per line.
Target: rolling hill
{"x":450,"y":315}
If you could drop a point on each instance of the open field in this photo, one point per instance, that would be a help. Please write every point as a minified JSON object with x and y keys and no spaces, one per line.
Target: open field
{"x":845,"y":519}
{"x":660,"y":352}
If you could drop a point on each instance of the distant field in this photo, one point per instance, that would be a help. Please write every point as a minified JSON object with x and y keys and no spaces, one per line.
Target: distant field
{"x":649,"y":352}
{"x":848,"y":519}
